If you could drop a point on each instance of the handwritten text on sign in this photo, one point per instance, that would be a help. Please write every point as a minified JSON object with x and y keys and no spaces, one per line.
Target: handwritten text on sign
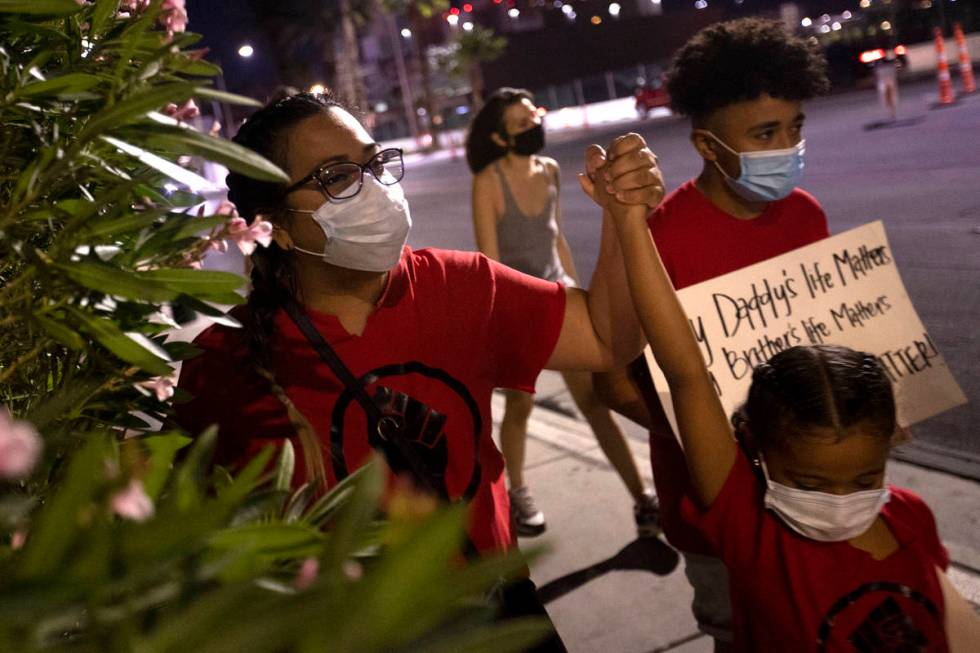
{"x":843,"y":290}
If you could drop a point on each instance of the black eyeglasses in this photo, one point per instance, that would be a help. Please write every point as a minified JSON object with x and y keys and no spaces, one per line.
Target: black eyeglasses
{"x":343,"y":180}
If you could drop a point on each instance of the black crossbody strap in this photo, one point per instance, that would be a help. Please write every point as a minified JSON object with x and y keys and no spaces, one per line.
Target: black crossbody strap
{"x":419,"y":470}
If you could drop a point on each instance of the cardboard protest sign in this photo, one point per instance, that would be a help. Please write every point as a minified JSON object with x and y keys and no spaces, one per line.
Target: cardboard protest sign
{"x":844,"y":290}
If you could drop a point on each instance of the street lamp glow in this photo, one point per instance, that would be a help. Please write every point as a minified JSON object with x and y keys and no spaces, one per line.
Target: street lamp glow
{"x":406,"y":33}
{"x":246,"y":51}
{"x":452,"y":19}
{"x":597,"y":20}
{"x":847,"y":15}
{"x":567,"y":9}
{"x":885,"y":25}
{"x":614,"y":9}
{"x":865,"y":4}
{"x":701,"y":4}
{"x":318,"y":88}
{"x":513,"y":12}
{"x":806,"y":22}
{"x":468,"y":26}
{"x":836,"y":26}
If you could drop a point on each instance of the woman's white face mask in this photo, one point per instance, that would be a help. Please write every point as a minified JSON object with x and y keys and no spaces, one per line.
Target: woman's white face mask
{"x":365,"y":232}
{"x":821,"y":516}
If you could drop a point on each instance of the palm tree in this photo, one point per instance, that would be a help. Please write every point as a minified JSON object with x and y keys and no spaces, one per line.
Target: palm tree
{"x":420,"y":14}
{"x":473,"y":48}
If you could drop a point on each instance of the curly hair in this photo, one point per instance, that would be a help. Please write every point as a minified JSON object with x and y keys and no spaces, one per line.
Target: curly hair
{"x":481,"y":150}
{"x":741,"y":60}
{"x":822,"y":386}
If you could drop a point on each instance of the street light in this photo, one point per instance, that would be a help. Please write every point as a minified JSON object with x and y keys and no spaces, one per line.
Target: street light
{"x":246,"y":51}
{"x":614,"y":9}
{"x":514,"y":12}
{"x":406,"y":33}
{"x":468,"y":26}
{"x":318,"y":88}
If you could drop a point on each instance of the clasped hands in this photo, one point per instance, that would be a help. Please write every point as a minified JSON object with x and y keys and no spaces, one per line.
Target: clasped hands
{"x":624,"y":179}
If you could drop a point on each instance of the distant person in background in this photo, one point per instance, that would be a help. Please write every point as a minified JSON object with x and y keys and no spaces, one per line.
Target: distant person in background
{"x":886,"y":79}
{"x":517,"y":220}
{"x":742,"y":83}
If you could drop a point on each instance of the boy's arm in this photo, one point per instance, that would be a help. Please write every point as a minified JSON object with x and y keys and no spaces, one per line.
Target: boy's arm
{"x":703,"y":425}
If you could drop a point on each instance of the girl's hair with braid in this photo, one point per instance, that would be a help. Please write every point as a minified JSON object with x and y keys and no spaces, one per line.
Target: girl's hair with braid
{"x":273,"y":282}
{"x":266,"y":132}
{"x":822,"y":386}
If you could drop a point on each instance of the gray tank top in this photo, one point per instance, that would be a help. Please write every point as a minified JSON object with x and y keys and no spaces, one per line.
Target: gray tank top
{"x":529,"y":243}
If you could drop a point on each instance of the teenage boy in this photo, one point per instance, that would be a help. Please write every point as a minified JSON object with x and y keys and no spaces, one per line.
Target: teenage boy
{"x":742,"y":84}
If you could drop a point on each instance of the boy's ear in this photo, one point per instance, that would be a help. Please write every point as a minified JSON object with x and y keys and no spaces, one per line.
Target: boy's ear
{"x":704,"y":144}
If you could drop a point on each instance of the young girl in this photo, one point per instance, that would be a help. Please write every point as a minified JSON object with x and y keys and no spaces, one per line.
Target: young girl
{"x":426,"y":335}
{"x":517,"y":220}
{"x":822,"y":554}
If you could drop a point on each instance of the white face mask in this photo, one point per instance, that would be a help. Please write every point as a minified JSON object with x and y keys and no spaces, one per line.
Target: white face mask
{"x":365,"y":232}
{"x":821,"y":516}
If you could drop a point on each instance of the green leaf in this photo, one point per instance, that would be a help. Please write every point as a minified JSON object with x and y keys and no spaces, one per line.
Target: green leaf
{"x":114,"y":281}
{"x":163,"y":450}
{"x":121,"y":225}
{"x":199,"y":283}
{"x":125,"y":347}
{"x":136,"y":106}
{"x":223,"y":96}
{"x":180,"y":140}
{"x":105,"y":10}
{"x":285,"y":467}
{"x":59,"y":86}
{"x":39,"y":7}
{"x":197,"y":225}
{"x":198,"y":68}
{"x":190,"y":477}
{"x":54,"y":530}
{"x":63,"y":334}
{"x":275,"y":540}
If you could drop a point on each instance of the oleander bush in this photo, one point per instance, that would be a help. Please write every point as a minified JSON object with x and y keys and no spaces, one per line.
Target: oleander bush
{"x":116,"y":531}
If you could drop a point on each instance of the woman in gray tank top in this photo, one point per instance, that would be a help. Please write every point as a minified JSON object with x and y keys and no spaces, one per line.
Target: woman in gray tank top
{"x":516,"y":217}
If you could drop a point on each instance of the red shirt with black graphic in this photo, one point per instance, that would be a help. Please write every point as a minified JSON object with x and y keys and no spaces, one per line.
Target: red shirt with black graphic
{"x":791,"y":593}
{"x":449,"y":328}
{"x":698,"y":241}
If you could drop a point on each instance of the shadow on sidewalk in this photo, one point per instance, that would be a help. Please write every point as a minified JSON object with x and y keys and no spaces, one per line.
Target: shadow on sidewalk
{"x":643,"y":554}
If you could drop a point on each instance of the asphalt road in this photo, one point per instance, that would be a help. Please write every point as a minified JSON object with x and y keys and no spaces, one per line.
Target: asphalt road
{"x":921,"y":177}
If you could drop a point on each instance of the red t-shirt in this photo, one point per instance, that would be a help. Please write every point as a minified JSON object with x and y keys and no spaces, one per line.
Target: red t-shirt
{"x":698,"y":241}
{"x":790,"y":593}
{"x":449,"y":328}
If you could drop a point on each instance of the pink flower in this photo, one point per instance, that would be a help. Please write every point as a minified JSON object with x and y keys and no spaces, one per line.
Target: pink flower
{"x":187,"y":111}
{"x":20,"y":447}
{"x":162,"y":386}
{"x":133,"y":502}
{"x":173,"y":16}
{"x":246,"y":236}
{"x":18,"y":539}
{"x":226,"y":208}
{"x":306,"y":576}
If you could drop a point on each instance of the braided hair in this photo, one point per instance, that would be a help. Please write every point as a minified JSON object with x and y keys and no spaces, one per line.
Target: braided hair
{"x":822,"y":386}
{"x":272,"y":275}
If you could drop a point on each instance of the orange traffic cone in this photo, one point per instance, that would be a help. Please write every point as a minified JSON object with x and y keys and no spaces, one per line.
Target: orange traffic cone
{"x":966,"y":65}
{"x":946,"y":95}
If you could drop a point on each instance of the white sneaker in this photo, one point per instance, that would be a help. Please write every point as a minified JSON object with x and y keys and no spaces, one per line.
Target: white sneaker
{"x":530,"y":521}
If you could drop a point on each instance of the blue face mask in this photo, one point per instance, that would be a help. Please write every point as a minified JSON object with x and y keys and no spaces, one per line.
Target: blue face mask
{"x":768,"y":175}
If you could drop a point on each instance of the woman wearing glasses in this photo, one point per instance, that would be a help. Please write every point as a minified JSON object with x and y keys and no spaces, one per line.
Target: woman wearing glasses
{"x":517,"y":220}
{"x":425,"y":334}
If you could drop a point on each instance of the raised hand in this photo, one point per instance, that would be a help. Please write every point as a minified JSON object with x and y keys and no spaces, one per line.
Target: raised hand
{"x":628,"y":172}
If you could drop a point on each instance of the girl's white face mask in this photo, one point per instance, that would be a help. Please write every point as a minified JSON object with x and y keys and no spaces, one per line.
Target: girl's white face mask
{"x":821,"y":516}
{"x":365,"y":232}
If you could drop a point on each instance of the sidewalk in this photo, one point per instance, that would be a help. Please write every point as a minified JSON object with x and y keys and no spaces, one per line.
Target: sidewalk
{"x":606,"y":591}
